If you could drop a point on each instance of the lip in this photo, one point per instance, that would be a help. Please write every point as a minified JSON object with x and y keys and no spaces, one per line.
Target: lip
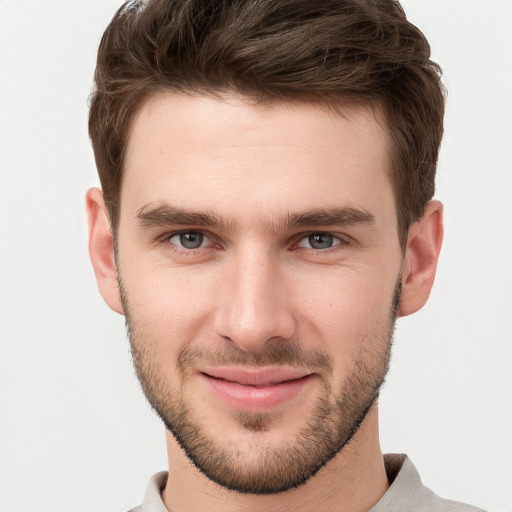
{"x":255,"y":389}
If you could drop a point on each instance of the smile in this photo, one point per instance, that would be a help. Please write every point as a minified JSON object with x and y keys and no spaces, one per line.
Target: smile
{"x":255,"y":390}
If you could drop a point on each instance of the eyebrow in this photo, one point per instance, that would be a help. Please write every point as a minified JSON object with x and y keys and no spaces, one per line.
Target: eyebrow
{"x":330,"y":217}
{"x":167,"y":215}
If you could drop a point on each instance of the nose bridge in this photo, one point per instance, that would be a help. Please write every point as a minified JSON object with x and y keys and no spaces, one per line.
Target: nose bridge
{"x":252,"y":307}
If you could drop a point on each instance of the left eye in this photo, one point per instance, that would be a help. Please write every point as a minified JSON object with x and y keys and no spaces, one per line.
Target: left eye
{"x":319,"y":241}
{"x":189,"y":240}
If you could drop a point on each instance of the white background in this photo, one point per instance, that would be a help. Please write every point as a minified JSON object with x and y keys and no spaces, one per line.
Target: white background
{"x":75,"y":432}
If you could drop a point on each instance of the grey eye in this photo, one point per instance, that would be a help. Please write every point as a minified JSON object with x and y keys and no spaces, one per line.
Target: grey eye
{"x":319,"y":241}
{"x":188,"y":240}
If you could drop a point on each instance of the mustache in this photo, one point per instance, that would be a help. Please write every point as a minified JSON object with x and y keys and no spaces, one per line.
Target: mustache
{"x":278,"y":353}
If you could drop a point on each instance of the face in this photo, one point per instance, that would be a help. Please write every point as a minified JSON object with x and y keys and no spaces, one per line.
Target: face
{"x":259,"y":263}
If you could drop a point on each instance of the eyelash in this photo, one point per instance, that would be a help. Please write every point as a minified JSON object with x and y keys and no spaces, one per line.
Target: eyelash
{"x":342,"y":241}
{"x":338,"y":241}
{"x":166,"y":239}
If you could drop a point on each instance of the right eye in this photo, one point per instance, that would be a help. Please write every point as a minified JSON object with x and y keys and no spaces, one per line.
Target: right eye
{"x":189,"y":240}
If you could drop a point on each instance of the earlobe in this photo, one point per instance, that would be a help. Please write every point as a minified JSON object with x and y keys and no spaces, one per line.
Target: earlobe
{"x":420,"y":261}
{"x":101,"y":249}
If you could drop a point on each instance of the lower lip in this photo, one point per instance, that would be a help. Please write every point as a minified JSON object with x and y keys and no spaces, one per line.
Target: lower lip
{"x":255,"y":398}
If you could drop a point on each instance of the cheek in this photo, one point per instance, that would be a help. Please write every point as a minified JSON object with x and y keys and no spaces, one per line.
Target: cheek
{"x":168,"y":307}
{"x":344,"y":298}
{"x":345,"y":315}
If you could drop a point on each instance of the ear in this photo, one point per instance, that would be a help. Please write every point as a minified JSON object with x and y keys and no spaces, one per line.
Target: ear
{"x":101,"y":249}
{"x":420,"y":261}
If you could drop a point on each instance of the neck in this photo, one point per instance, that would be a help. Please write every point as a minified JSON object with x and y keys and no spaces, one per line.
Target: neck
{"x":353,"y":481}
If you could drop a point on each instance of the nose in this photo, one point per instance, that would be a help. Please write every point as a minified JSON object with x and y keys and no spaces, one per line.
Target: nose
{"x":253,"y":305}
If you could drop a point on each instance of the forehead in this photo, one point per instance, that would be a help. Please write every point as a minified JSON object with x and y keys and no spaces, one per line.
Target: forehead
{"x":208,"y":153}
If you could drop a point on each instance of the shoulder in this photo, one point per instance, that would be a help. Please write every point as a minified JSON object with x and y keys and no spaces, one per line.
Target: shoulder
{"x":431,"y":502}
{"x":407,"y":492}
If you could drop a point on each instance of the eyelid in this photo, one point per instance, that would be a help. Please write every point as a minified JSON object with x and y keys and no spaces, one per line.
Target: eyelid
{"x":202,"y":239}
{"x":342,"y":239}
{"x":166,"y":238}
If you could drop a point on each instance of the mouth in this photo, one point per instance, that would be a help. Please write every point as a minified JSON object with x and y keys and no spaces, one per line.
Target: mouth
{"x":256,"y":389}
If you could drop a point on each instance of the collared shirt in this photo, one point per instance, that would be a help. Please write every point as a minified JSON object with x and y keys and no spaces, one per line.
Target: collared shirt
{"x":406,"y":492}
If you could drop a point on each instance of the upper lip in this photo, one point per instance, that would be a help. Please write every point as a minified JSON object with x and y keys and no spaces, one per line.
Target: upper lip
{"x":266,"y":376}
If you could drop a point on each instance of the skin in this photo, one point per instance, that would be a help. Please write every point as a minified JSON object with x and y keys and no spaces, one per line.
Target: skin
{"x":256,"y":280}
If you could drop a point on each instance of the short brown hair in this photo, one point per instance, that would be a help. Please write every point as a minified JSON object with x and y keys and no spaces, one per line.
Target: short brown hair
{"x":268,"y":50}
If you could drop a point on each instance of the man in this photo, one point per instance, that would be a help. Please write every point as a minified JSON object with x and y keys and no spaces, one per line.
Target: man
{"x":266,"y":214}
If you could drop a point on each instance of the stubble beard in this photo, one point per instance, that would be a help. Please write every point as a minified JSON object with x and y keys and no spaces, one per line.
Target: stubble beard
{"x":332,"y":424}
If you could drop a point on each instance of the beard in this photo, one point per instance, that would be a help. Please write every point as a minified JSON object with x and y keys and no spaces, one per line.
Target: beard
{"x":334,"y":419}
